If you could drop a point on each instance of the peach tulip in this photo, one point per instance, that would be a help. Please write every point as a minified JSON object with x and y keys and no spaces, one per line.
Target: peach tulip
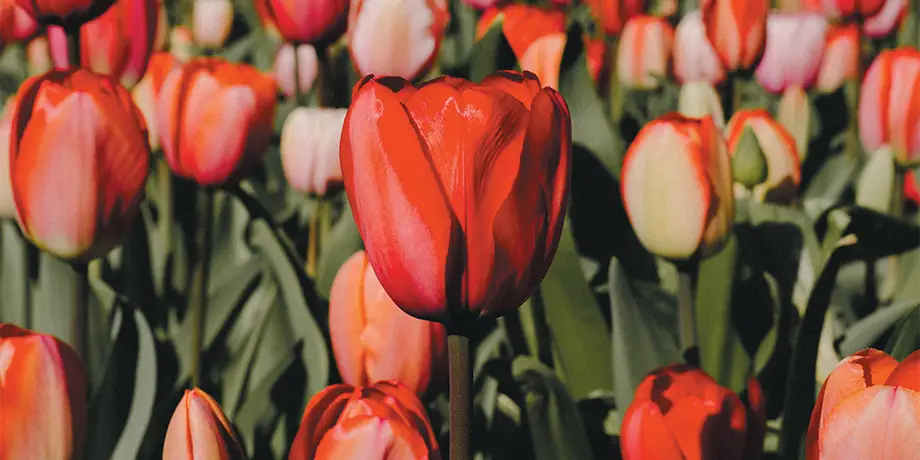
{"x":306,"y":72}
{"x":694,"y":57}
{"x":536,"y":36}
{"x":7,"y":205}
{"x":888,"y":112}
{"x":310,"y":149}
{"x":211,"y":22}
{"x":795,"y":47}
{"x":841,"y":58}
{"x":309,"y":21}
{"x":38,"y":56}
{"x":42,"y":397}
{"x":16,"y":24}
{"x":737,"y":30}
{"x":200,"y":430}
{"x":613,"y":14}
{"x":119,"y":42}
{"x":644,"y":52}
{"x":215,"y":119}
{"x":146,"y":92}
{"x":778,"y":150}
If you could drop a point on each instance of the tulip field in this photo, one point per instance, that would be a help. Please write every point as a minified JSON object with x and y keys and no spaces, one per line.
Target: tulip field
{"x":460,"y":229}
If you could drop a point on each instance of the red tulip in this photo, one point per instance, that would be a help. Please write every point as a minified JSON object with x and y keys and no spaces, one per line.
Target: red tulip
{"x":841,"y":58}
{"x":70,"y":13}
{"x":200,"y":430}
{"x":459,"y":189}
{"x":215,"y":119}
{"x":310,"y":149}
{"x":382,"y":421}
{"x":778,"y":148}
{"x":308,"y":21}
{"x":737,"y":30}
{"x":265,"y":16}
{"x":43,"y":394}
{"x":888,"y":105}
{"x":119,"y":42}
{"x":146,"y":92}
{"x":483,"y":4}
{"x":16,"y":24}
{"x":849,"y":8}
{"x":613,"y":14}
{"x":596,"y":53}
{"x":694,"y":57}
{"x":794,"y":50}
{"x":536,"y":36}
{"x":79,"y":160}
{"x":644,"y":53}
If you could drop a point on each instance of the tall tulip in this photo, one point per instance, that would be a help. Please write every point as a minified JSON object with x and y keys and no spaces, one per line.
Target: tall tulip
{"x":309,"y":21}
{"x":794,"y":50}
{"x":841,"y":58}
{"x":694,"y":57}
{"x":536,"y":36}
{"x":43,"y":394}
{"x":383,"y":421}
{"x":180,"y":43}
{"x":775,"y":145}
{"x":16,"y":24}
{"x":310,"y":149}
{"x":215,"y":119}
{"x":72,"y":132}
{"x":396,"y":37}
{"x":146,"y":92}
{"x":644,"y":52}
{"x":68,"y":13}
{"x":307,"y":70}
{"x":200,"y":430}
{"x":7,"y":205}
{"x":887,"y":113}
{"x":211,"y":22}
{"x":737,"y":30}
{"x":119,"y":43}
{"x":613,"y":14}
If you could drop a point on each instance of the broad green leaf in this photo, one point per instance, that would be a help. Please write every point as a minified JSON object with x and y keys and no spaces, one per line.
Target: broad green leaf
{"x":866,"y":331}
{"x":461,"y":34}
{"x":490,"y":53}
{"x":258,"y":414}
{"x":837,"y":174}
{"x":14,"y":275}
{"x":906,"y":337}
{"x":343,"y":241}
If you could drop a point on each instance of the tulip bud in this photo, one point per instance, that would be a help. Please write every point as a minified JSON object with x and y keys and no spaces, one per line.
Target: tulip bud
{"x":361,"y":319}
{"x":749,"y":165}
{"x":306,"y":72}
{"x":698,"y":99}
{"x":312,"y":21}
{"x":71,"y":131}
{"x":382,"y":421}
{"x":677,"y":187}
{"x":613,"y":14}
{"x":16,"y":24}
{"x":760,"y":145}
{"x":737,"y":30}
{"x":694,"y":57}
{"x":146,"y":92}
{"x":7,"y":206}
{"x":211,"y":22}
{"x":38,"y":56}
{"x":181,"y":43}
{"x":887,"y":20}
{"x":535,"y":35}
{"x":841,"y":58}
{"x":795,"y":47}
{"x":70,"y":13}
{"x":310,"y":149}
{"x":200,"y":430}
{"x":885,"y":116}
{"x":794,"y":114}
{"x":396,"y":37}
{"x":875,"y":185}
{"x":683,"y":405}
{"x":215,"y":119}
{"x":644,"y":52}
{"x":43,"y":392}
{"x":119,"y":42}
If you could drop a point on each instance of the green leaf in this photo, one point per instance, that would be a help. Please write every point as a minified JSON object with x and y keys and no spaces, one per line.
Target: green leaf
{"x":863,"y":333}
{"x":833,"y":179}
{"x":492,"y":52}
{"x":258,"y":415}
{"x":906,"y":337}
{"x":54,"y":311}
{"x":343,"y":241}
{"x":555,"y":424}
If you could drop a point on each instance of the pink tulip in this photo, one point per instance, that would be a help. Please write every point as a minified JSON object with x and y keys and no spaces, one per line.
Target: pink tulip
{"x":887,"y":20}
{"x":310,"y":149}
{"x":694,"y":57}
{"x":119,"y":42}
{"x":841,"y":58}
{"x":200,"y":430}
{"x":644,"y":52}
{"x":795,"y":47}
{"x":307,"y":63}
{"x":211,"y":22}
{"x":888,"y":112}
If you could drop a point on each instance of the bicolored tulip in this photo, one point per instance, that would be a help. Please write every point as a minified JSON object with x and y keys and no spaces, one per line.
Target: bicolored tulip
{"x":200,"y":430}
{"x":7,"y":206}
{"x":72,"y":131}
{"x":677,"y":187}
{"x":887,"y":20}
{"x":146,"y":92}
{"x":868,"y":407}
{"x":694,"y":57}
{"x":71,"y":13}
{"x":309,"y":21}
{"x":644,"y":52}
{"x":215,"y":119}
{"x":456,"y":168}
{"x":211,"y":22}
{"x":310,"y":149}
{"x":737,"y":30}
{"x":362,"y":318}
{"x":536,"y":36}
{"x":306,"y":72}
{"x":841,"y":58}
{"x":400,"y":38}
{"x":384,"y":421}
{"x":119,"y":42}
{"x":16,"y":24}
{"x":43,"y":392}
{"x":793,"y":53}
{"x":698,"y":99}
{"x":888,"y":112}
{"x":613,"y":14}
{"x":755,"y":139}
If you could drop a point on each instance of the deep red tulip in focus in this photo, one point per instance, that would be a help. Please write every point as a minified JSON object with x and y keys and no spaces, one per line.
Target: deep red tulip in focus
{"x":16,"y":24}
{"x":215,"y":119}
{"x":459,"y":189}
{"x":146,"y":91}
{"x":794,"y":50}
{"x":78,"y":162}
{"x":613,"y":14}
{"x":841,"y":58}
{"x":694,"y":57}
{"x":778,"y":148}
{"x":362,"y":321}
{"x":43,"y":394}
{"x":888,"y":112}
{"x":119,"y":42}
{"x":309,"y":21}
{"x":70,"y":13}
{"x":310,"y":149}
{"x":677,"y":187}
{"x":306,"y":72}
{"x":200,"y":430}
{"x":384,"y":421}
{"x":737,"y":30}
{"x":869,"y":407}
{"x":644,"y":52}
{"x":536,"y":36}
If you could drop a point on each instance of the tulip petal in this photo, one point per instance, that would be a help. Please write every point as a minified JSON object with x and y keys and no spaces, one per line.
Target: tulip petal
{"x":321,"y":414}
{"x":880,"y":423}
{"x":523,"y":86}
{"x":645,"y":436}
{"x":393,"y":37}
{"x":907,"y":374}
{"x":369,"y":437}
{"x":543,"y":57}
{"x":347,"y":318}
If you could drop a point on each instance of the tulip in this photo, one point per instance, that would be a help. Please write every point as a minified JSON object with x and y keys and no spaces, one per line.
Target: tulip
{"x":417,"y":210}
{"x":483,"y":4}
{"x":211,"y":22}
{"x":677,"y":187}
{"x":795,"y":47}
{"x":886,"y":114}
{"x":310,"y":149}
{"x":146,"y":92}
{"x":306,"y":72}
{"x":770,"y":140}
{"x":265,"y":17}
{"x":162,"y":32}
{"x":737,"y":30}
{"x":119,"y":42}
{"x":868,"y":407}
{"x":215,"y":119}
{"x":38,"y":56}
{"x":841,"y":58}
{"x":382,"y":421}
{"x":7,"y":206}
{"x":180,"y":43}
{"x":887,"y":20}
{"x":794,"y":113}
{"x":68,"y":13}
{"x":613,"y":14}
{"x":694,"y":57}
{"x":199,"y":429}
{"x":911,"y":189}
{"x":849,"y":8}
{"x":596,"y":54}
{"x":311,"y":21}
{"x":680,"y":412}
{"x":698,"y":99}
{"x":16,"y":24}
{"x":536,"y":36}
{"x":644,"y":52}
{"x":43,"y":394}
{"x":72,"y":132}
{"x":396,"y":37}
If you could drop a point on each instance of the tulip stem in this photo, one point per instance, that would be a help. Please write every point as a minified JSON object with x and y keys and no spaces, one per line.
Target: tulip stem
{"x":200,"y":293}
{"x":614,"y":96}
{"x":165,"y":208}
{"x":892,"y":279}
{"x":73,"y":46}
{"x":461,"y":377}
{"x":686,"y":292}
{"x":81,"y":310}
{"x":14,"y":275}
{"x":300,"y":98}
{"x":314,"y":237}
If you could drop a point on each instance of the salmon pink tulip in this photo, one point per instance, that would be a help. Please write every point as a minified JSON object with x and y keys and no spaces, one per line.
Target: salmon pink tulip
{"x":737,"y":30}
{"x":16,"y":24}
{"x":310,"y":149}
{"x":613,"y":14}
{"x":147,"y":90}
{"x":795,"y":47}
{"x":310,"y":21}
{"x":888,"y":105}
{"x":119,"y":43}
{"x":536,"y":36}
{"x":644,"y":52}
{"x":694,"y":57}
{"x":776,"y":144}
{"x":306,"y":72}
{"x":200,"y":430}
{"x":841,"y":58}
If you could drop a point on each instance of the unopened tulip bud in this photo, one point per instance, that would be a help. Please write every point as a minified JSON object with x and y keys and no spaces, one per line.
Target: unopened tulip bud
{"x":181,"y":43}
{"x":749,"y":165}
{"x":841,"y":58}
{"x":875,"y":186}
{"x":698,"y":99}
{"x":795,"y":115}
{"x":200,"y":430}
{"x":760,"y":145}
{"x":211,"y":22}
{"x":310,"y":149}
{"x":694,"y":57}
{"x":38,"y":56}
{"x":314,"y":21}
{"x":7,"y":206}
{"x":737,"y":30}
{"x":119,"y":43}
{"x":644,"y":52}
{"x":306,"y":72}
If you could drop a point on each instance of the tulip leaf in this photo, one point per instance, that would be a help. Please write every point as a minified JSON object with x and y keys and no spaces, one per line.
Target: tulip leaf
{"x":343,"y":241}
{"x":580,"y":339}
{"x":258,"y":413}
{"x":556,"y":426}
{"x":906,"y":337}
{"x":491,"y":53}
{"x":833,"y":178}
{"x":14,"y":275}
{"x":865,"y":332}
{"x":461,"y":34}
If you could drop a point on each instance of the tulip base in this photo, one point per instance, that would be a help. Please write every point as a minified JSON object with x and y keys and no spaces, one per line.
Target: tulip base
{"x":461,"y":377}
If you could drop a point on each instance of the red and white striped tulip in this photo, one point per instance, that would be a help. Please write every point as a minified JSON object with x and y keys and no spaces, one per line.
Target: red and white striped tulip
{"x":310,"y":149}
{"x":778,"y":150}
{"x":644,"y":52}
{"x":793,"y":53}
{"x":737,"y":30}
{"x":306,"y":72}
{"x":694,"y":57}
{"x":888,"y":105}
{"x":841,"y":58}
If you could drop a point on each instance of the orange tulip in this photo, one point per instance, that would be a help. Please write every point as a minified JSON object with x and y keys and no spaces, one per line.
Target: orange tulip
{"x":70,"y":13}
{"x":382,"y":421}
{"x":308,"y":21}
{"x":613,"y":14}
{"x":310,"y":149}
{"x":644,"y":53}
{"x":119,"y":42}
{"x":43,"y":394}
{"x":200,"y":430}
{"x":16,"y":24}
{"x":677,"y":187}
{"x":146,"y":92}
{"x":459,"y":189}
{"x":362,"y":318}
{"x":841,"y":58}
{"x":215,"y":119}
{"x":775,"y":144}
{"x":694,"y":57}
{"x":536,"y":36}
{"x":681,"y":412}
{"x":889,"y":102}
{"x":868,"y":407}
{"x":7,"y":206}
{"x":737,"y":30}
{"x":79,"y":160}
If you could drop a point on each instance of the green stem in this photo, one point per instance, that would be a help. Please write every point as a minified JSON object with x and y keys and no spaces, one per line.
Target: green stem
{"x":81,"y":310}
{"x":299,"y":96}
{"x":892,"y":280}
{"x":686,"y":294}
{"x":166,"y":211}
{"x":853,"y":146}
{"x":461,"y":377}
{"x":14,"y":275}
{"x":313,"y":238}
{"x":202,"y":269}
{"x":614,"y":94}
